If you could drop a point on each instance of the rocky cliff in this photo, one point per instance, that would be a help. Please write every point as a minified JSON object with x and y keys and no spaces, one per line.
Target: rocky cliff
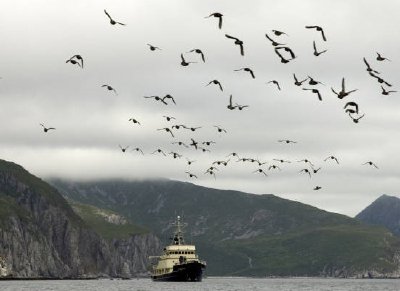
{"x":42,"y":237}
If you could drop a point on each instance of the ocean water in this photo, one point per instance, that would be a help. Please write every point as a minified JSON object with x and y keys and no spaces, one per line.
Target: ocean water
{"x":209,"y":284}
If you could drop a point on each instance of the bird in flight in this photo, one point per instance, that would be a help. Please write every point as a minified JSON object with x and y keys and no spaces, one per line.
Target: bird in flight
{"x":316,"y":188}
{"x":112,"y":21}
{"x":316,"y":52}
{"x":332,"y":158}
{"x":273,"y":42}
{"x":167,"y":130}
{"x":313,"y":82}
{"x":356,"y":119}
{"x":191,"y":175}
{"x":371,"y":164}
{"x":175,"y":155}
{"x":274,"y":167}
{"x":317,"y":28}
{"x":380,"y":58}
{"x":307,"y":171}
{"x":276,"y":83}
{"x":385,"y":92}
{"x":153,"y":48}
{"x":306,"y":161}
{"x":282,"y":161}
{"x":220,"y":129}
{"x":134,"y":120}
{"x":279,"y":33}
{"x":123,"y":149}
{"x":189,"y":162}
{"x":369,"y":69}
{"x":157,"y":98}
{"x":200,"y":52}
{"x":341,"y":94}
{"x":159,"y":151}
{"x":261,"y":171}
{"x":137,"y":150}
{"x":297,"y":82}
{"x":230,"y":105}
{"x":241,"y":107}
{"x":286,"y":49}
{"x":247,"y":70}
{"x":237,"y":42}
{"x":46,"y":129}
{"x":184,"y":63}
{"x":380,"y":80}
{"x":351,"y":104}
{"x":315,"y":91}
{"x":109,"y":88}
{"x":181,"y":143}
{"x":216,"y":82}
{"x":168,"y":96}
{"x":287,"y":141}
{"x":208,"y":143}
{"x":217,"y":15}
{"x":73,"y":61}
{"x":168,"y":118}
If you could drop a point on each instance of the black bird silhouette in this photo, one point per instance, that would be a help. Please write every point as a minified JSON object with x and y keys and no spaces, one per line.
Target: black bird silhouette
{"x":369,"y":69}
{"x":153,"y":48}
{"x":167,"y":130}
{"x":279,"y":33}
{"x":123,"y":149}
{"x":230,"y":105}
{"x":283,"y":59}
{"x":371,"y":164}
{"x":217,"y":15}
{"x":287,"y":141}
{"x":46,"y":129}
{"x":288,"y":50}
{"x":297,"y":82}
{"x":306,"y":161}
{"x":216,"y":82}
{"x":356,"y":119}
{"x":313,"y":82}
{"x":178,"y":126}
{"x":193,"y":128}
{"x":306,"y":171}
{"x":380,"y":80}
{"x":233,"y":155}
{"x":191,"y":175}
{"x":315,"y":170}
{"x":112,"y":21}
{"x":237,"y":42}
{"x":343,"y":92}
{"x":316,"y":91}
{"x":157,"y":98}
{"x":181,"y":143}
{"x":332,"y":158}
{"x":194,"y":143}
{"x":261,"y":171}
{"x":175,"y":155}
{"x":351,"y":104}
{"x":137,"y":150}
{"x":208,"y":143}
{"x":109,"y":88}
{"x":159,"y":151}
{"x":384,"y":92}
{"x":78,"y":57}
{"x":380,"y":58}
{"x":318,"y":28}
{"x":316,"y":188}
{"x":241,"y":107}
{"x":168,"y":118}
{"x":198,"y":51}
{"x":225,"y":163}
{"x":276,"y":83}
{"x":282,"y":161}
{"x":189,"y":162}
{"x":273,"y":167}
{"x":134,"y":120}
{"x":184,"y":63}
{"x":168,"y":96}
{"x":247,"y":70}
{"x":220,"y":129}
{"x":316,"y":52}
{"x":74,"y":62}
{"x":273,"y":42}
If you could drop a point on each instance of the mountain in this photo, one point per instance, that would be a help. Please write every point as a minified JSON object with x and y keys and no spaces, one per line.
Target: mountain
{"x":383,"y":211}
{"x":241,"y":234}
{"x":41,"y":236}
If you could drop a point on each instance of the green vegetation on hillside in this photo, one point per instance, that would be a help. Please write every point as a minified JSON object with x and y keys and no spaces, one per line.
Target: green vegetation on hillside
{"x":95,"y":218}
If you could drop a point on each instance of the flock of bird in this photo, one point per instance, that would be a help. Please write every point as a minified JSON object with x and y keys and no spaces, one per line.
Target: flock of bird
{"x":285,"y":55}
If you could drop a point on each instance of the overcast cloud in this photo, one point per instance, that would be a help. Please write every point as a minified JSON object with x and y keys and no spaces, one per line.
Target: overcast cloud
{"x":37,"y":86}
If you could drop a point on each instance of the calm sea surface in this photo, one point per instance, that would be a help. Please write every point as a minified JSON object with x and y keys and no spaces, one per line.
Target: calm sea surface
{"x":211,"y":284}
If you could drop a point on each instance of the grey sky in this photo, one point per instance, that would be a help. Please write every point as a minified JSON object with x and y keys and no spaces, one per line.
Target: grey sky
{"x":37,"y":86}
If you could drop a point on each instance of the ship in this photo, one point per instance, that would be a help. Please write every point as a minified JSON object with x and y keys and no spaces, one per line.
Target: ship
{"x":179,"y":262}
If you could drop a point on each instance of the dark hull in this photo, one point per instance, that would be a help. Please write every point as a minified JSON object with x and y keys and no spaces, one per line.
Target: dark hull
{"x":192,"y":271}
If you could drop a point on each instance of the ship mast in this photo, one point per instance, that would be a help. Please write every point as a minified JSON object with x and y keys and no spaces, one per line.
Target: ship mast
{"x":178,"y":234}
